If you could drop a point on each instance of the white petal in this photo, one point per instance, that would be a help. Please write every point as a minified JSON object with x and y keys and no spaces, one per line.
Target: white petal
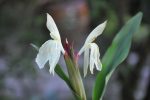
{"x":86,"y":61}
{"x":42,"y":56}
{"x":97,"y":58}
{"x":54,"y":57}
{"x":94,"y":57}
{"x":54,"y":33}
{"x":95,"y":33}
{"x":50,"y":50}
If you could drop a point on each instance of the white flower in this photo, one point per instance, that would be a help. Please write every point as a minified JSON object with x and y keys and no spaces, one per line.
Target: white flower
{"x":51,"y":49}
{"x":91,"y":50}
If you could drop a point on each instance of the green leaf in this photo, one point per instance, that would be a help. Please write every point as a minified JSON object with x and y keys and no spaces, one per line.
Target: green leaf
{"x":115,"y":54}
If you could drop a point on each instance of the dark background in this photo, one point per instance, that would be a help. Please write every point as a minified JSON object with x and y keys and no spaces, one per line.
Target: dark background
{"x":24,"y":21}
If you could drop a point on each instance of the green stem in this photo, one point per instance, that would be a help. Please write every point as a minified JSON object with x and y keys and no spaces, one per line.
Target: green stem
{"x":75,"y":78}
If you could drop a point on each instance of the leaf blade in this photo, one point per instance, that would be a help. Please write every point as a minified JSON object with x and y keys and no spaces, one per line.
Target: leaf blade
{"x":115,"y":54}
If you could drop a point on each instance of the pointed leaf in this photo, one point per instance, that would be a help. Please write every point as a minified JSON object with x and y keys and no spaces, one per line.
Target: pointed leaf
{"x":115,"y":54}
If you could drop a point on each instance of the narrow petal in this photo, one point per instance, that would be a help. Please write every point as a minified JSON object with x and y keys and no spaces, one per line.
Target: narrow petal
{"x":95,"y":33}
{"x":92,"y":59}
{"x":97,"y":58}
{"x":43,"y":54}
{"x":86,"y":61}
{"x":54,"y":33}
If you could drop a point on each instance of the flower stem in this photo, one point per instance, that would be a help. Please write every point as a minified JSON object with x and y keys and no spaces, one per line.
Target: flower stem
{"x":75,"y":78}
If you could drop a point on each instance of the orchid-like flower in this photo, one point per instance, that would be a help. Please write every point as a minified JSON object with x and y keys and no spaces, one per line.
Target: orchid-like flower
{"x":51,"y":49}
{"x":91,"y":50}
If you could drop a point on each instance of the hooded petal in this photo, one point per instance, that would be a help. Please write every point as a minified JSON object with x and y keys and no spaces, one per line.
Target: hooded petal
{"x":95,"y":33}
{"x":86,"y":61}
{"x":50,"y":50}
{"x":92,"y":36}
{"x":54,"y":33}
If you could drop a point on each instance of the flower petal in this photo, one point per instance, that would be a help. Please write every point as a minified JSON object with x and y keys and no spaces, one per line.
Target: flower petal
{"x":97,"y":58}
{"x":43,"y":55}
{"x":95,"y":33}
{"x":54,"y":56}
{"x":94,"y":57}
{"x":86,"y":61}
{"x":54,"y":33}
{"x":92,"y":36}
{"x":50,"y":50}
